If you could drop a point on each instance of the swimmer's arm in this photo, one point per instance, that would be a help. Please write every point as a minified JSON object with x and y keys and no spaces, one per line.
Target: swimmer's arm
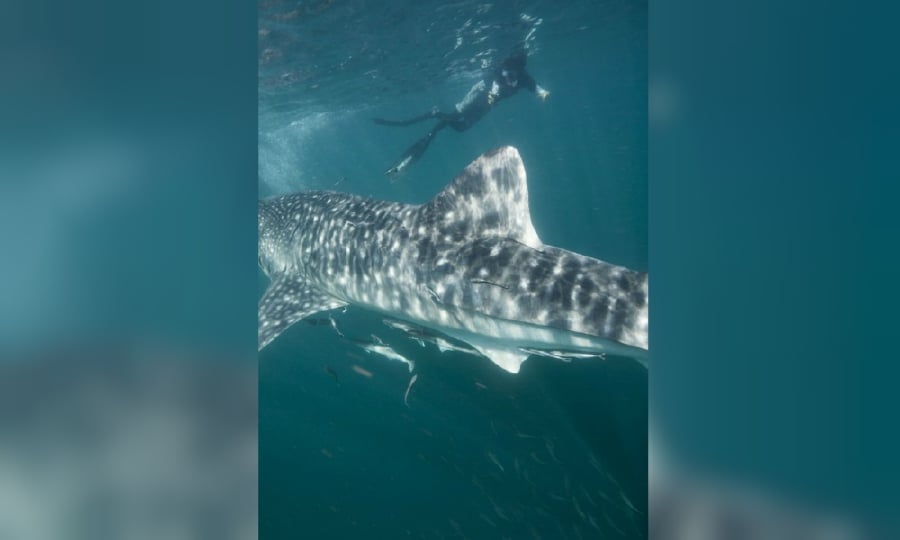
{"x":494,"y":94}
{"x":530,"y":84}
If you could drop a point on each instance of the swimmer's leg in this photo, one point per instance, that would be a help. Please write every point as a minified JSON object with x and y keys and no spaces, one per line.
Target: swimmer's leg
{"x":414,"y":152}
{"x":434,"y":113}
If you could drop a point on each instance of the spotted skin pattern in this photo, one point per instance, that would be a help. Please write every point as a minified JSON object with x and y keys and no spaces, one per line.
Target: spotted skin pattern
{"x":468,"y":262}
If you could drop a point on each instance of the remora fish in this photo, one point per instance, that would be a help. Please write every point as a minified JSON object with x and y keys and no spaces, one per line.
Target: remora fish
{"x":468,"y":264}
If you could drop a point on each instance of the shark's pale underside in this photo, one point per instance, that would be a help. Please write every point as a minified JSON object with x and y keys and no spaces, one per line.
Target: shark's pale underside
{"x":468,"y":264}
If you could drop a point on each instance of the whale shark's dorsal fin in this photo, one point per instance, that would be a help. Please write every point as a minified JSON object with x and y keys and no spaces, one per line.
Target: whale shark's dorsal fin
{"x":489,"y":198}
{"x":285,"y":302}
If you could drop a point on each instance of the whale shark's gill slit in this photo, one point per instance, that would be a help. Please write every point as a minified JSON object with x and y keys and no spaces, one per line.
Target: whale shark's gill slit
{"x":485,"y":282}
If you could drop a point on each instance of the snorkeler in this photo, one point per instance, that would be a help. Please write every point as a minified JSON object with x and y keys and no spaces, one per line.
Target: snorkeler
{"x":505,"y":81}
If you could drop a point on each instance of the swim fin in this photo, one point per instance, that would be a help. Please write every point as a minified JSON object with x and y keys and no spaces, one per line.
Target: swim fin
{"x":412,"y":154}
{"x":434,"y":113}
{"x":399,"y":167}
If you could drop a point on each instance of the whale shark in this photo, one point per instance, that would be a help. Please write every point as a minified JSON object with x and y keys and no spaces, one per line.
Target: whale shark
{"x":468,"y":264}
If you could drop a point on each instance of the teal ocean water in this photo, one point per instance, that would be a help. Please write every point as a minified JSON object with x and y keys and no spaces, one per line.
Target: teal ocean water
{"x":556,"y":451}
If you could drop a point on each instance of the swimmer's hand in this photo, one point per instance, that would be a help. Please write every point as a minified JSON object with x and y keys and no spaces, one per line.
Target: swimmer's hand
{"x":543,"y":94}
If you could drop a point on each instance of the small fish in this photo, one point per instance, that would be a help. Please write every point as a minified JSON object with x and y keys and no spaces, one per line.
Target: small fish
{"x":488,"y":520}
{"x":326,"y":453}
{"x":331,"y":372}
{"x":412,"y":381}
{"x":578,"y":508}
{"x":587,"y":496}
{"x":535,"y":458}
{"x":628,"y":502}
{"x":577,"y":532}
{"x":334,"y":325}
{"x":456,"y":527}
{"x":613,"y":525}
{"x":528,"y":478}
{"x":397,"y":324}
{"x":550,"y":447}
{"x":416,"y":333}
{"x":606,"y":498}
{"x":562,"y":533}
{"x":477,"y":483}
{"x":385,"y":350}
{"x":493,"y":459}
{"x":497,"y":509}
{"x":480,"y":385}
{"x":522,"y":435}
{"x":548,"y":354}
{"x":444,"y":346}
{"x":362,"y":371}
{"x":565,"y":356}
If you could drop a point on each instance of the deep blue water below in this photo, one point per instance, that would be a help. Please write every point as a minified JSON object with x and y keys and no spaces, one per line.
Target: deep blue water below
{"x":556,"y":451}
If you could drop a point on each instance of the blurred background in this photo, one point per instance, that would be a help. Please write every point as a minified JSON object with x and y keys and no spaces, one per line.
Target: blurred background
{"x":772,"y":194}
{"x":127,"y":270}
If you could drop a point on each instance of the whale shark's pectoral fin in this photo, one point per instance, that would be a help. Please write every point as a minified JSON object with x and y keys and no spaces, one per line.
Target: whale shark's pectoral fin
{"x":510,"y":360}
{"x":287,"y":301}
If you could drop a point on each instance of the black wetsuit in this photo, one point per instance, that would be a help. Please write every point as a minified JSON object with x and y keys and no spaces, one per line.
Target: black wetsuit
{"x":505,"y":80}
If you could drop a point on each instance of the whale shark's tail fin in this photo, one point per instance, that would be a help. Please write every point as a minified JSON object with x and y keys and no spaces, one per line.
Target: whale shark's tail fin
{"x":490,"y":196}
